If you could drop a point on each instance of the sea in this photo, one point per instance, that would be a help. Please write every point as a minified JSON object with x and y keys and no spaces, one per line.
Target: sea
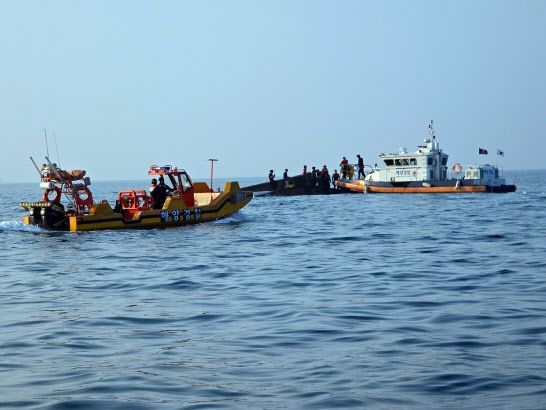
{"x":310,"y":302}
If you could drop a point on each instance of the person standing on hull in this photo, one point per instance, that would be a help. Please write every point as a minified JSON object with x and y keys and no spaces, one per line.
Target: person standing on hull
{"x":285,"y":178}
{"x":313,"y":177}
{"x":160,"y":192}
{"x":272,"y":180}
{"x":325,"y":177}
{"x":304,"y":175}
{"x":335,"y":177}
{"x":343,"y":167}
{"x":360,"y":167}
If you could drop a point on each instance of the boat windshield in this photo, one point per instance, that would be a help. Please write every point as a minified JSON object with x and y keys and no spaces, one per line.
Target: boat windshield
{"x":186,"y":182}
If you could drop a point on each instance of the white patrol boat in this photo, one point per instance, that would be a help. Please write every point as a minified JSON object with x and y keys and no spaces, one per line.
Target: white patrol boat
{"x":426,"y":171}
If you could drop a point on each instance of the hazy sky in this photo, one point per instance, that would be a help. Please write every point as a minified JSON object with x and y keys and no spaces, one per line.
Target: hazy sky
{"x":267,"y":84}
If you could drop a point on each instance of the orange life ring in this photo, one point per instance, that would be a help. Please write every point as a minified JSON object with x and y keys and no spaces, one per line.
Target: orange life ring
{"x":57,"y":198}
{"x":82,"y":195}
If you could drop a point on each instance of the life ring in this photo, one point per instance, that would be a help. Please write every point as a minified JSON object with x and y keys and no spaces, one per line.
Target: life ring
{"x":457,"y":168}
{"x":57,"y":198}
{"x":82,"y":195}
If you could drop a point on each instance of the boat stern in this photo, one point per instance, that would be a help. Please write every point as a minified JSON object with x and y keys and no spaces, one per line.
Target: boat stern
{"x":46,"y":215}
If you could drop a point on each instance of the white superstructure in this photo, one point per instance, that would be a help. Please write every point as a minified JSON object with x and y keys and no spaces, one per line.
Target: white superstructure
{"x":429,"y":162}
{"x":484,"y":175}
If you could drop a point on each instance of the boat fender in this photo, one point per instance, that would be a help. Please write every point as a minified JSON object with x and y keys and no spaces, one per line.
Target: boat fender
{"x":57,"y":198}
{"x":82,"y":195}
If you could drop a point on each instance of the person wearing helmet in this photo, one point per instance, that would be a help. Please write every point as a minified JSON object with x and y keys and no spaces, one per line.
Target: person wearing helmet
{"x":153,"y":184}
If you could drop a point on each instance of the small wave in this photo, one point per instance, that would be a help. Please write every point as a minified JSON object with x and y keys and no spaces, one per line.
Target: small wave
{"x":234,"y":219}
{"x":18,"y":226}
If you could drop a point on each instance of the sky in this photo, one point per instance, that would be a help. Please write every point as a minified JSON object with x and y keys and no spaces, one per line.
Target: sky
{"x":269,"y":84}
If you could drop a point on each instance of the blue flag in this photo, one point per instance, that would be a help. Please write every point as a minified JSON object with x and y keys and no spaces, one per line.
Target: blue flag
{"x":482,"y":151}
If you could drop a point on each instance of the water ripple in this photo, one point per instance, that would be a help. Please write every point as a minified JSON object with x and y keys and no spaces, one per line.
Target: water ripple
{"x":384,"y":302}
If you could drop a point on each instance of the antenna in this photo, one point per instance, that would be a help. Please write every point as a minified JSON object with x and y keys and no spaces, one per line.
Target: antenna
{"x":56,"y":149}
{"x":431,"y":132}
{"x":47,"y":147}
{"x":36,"y":166}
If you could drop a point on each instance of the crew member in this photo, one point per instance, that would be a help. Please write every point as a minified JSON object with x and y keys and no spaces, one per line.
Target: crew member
{"x":153,"y":184}
{"x":159,"y":193}
{"x":285,"y":178}
{"x":360,"y":167}
{"x":344,"y":167}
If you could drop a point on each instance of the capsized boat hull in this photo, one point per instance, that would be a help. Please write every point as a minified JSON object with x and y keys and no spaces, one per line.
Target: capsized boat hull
{"x":174,"y":213}
{"x":421,"y":187}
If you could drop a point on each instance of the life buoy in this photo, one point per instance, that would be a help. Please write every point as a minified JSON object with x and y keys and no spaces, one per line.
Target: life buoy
{"x":57,"y":198}
{"x":457,"y":168}
{"x":82,"y":195}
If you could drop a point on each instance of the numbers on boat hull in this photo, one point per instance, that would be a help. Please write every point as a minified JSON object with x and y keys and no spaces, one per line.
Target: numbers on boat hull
{"x":187,"y":215}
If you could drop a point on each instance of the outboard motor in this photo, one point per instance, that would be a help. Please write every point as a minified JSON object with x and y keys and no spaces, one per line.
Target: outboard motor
{"x":53,"y":217}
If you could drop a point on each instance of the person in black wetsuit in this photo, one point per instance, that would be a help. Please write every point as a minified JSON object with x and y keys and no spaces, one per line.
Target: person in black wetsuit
{"x":313,"y":177}
{"x":272,"y":180}
{"x":361,"y":167}
{"x":160,"y":192}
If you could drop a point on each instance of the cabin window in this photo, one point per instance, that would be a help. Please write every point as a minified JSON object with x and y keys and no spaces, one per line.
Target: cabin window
{"x":397,"y":162}
{"x":444,"y":161}
{"x":389,"y":162}
{"x":413,"y":161}
{"x":429,"y":160}
{"x":186,"y":184}
{"x":405,"y":161}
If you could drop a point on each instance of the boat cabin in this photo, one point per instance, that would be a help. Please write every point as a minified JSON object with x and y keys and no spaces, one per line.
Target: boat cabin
{"x":484,"y":175}
{"x":131,"y":202}
{"x":429,"y":162}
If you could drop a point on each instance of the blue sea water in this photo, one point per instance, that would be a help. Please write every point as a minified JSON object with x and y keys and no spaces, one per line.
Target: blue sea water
{"x":343,"y":301}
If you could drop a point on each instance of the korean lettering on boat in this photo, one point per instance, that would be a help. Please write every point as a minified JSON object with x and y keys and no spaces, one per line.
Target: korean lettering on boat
{"x":186,"y":215}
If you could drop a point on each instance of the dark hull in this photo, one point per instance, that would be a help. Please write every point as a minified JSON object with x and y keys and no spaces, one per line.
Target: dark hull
{"x":297,"y":185}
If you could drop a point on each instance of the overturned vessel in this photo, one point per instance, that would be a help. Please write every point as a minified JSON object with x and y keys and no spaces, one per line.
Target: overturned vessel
{"x":426,"y":171}
{"x":187,"y":203}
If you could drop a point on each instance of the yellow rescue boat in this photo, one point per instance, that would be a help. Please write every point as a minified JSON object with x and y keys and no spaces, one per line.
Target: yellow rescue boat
{"x":187,"y":203}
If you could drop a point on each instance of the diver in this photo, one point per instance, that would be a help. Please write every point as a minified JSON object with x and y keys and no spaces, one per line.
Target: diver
{"x":272,"y":180}
{"x":325,"y":179}
{"x":160,"y":192}
{"x":335,"y":177}
{"x":313,"y":177}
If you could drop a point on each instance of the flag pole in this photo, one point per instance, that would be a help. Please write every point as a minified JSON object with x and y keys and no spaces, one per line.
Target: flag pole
{"x":212,"y":160}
